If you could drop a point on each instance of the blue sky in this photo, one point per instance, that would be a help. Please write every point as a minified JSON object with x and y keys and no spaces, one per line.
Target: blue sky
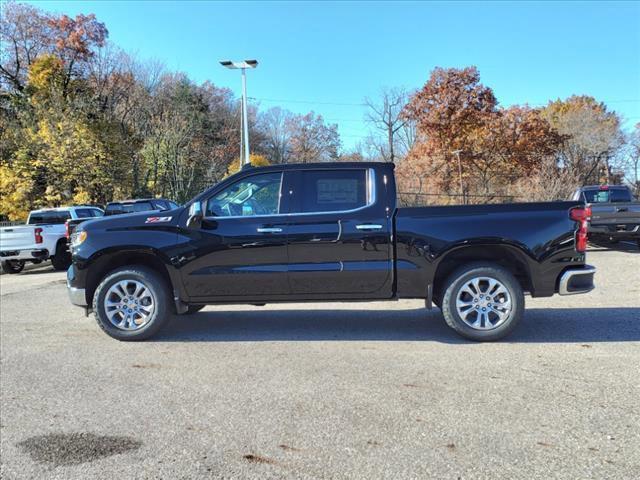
{"x":329,"y":56}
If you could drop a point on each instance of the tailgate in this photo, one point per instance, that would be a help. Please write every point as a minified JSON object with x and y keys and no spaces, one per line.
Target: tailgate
{"x":615,"y":213}
{"x":16,"y":238}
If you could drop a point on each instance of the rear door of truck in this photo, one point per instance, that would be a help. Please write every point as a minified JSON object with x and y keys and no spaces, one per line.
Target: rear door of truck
{"x":339,"y":234}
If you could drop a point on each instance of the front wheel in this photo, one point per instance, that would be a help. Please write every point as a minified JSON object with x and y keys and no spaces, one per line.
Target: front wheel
{"x":12,"y":266}
{"x":483,"y":302}
{"x":132,"y":303}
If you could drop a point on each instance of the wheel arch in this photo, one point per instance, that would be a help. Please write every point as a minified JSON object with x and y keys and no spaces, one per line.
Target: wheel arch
{"x":107,"y":262}
{"x":509,"y":257}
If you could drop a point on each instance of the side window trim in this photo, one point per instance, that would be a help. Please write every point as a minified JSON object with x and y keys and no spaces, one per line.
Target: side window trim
{"x":371,"y":196}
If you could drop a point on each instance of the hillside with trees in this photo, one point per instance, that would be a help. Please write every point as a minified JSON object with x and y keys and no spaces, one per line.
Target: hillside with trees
{"x":84,"y":122}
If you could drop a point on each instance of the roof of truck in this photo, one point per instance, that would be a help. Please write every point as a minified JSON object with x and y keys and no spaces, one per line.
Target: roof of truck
{"x":62,"y":209}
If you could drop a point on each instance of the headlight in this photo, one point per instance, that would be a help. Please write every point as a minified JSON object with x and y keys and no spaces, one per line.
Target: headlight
{"x":78,"y":238}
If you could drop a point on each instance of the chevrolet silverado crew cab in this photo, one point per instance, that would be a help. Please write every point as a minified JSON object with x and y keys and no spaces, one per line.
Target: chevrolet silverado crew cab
{"x":326,"y":232}
{"x":42,"y":238}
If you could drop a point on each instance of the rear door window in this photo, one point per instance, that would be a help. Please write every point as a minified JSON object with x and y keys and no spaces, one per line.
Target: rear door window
{"x":84,"y":212}
{"x":113,"y":209}
{"x":331,"y":191}
{"x":140,"y":207}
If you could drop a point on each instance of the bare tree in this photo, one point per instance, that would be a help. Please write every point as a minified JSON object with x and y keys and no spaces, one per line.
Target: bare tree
{"x":633,"y":159}
{"x":312,"y":140}
{"x":273,"y":125}
{"x":385,"y":116}
{"x":24,"y":34}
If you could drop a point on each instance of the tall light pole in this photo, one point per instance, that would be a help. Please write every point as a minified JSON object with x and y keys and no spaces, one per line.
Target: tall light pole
{"x":244,"y":135}
{"x":457,"y":152}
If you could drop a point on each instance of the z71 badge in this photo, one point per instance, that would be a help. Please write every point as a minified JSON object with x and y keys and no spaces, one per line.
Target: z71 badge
{"x":158,"y":219}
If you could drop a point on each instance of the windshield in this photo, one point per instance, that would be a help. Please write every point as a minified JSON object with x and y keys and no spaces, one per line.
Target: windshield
{"x":613,"y":195}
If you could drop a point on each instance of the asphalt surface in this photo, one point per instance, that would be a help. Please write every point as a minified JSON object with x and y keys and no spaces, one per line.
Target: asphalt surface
{"x":379,"y":390}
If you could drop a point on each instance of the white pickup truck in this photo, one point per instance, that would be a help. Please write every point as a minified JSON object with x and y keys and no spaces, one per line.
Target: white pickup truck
{"x":42,"y":238}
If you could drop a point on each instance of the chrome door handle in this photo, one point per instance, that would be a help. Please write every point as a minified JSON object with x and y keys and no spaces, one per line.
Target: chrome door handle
{"x":269,"y":230}
{"x":369,"y":226}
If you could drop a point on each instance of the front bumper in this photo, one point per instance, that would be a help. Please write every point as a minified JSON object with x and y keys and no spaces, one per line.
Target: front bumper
{"x":577,"y":280}
{"x":76,"y":295}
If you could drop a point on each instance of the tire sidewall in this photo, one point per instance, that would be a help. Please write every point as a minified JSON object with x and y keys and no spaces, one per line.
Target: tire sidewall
{"x":62,"y":259}
{"x":158,"y":291}
{"x":462,"y":276}
{"x":12,"y":266}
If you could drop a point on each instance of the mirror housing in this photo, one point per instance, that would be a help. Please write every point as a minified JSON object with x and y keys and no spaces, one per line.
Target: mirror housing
{"x":195,"y":215}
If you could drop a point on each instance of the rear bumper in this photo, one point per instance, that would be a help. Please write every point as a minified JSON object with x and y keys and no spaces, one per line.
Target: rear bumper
{"x":577,"y":280}
{"x":621,"y":231}
{"x":76,"y":295}
{"x":29,"y":254}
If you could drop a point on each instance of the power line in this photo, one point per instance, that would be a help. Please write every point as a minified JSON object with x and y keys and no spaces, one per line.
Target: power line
{"x":309,"y":102}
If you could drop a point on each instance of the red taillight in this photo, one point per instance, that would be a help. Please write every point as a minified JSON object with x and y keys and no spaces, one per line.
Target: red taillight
{"x":66,"y":229}
{"x":38,"y":234}
{"x":582,"y":215}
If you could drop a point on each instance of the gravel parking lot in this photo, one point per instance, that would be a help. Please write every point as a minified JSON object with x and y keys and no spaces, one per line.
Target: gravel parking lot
{"x":380,"y":390}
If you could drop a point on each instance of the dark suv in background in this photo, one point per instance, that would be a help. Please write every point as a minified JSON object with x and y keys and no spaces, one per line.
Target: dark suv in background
{"x":139,"y":205}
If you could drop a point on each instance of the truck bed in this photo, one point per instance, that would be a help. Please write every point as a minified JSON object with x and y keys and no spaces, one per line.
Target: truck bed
{"x":540,"y":235}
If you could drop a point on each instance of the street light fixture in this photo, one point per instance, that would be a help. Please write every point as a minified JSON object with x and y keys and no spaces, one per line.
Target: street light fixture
{"x":244,"y":135}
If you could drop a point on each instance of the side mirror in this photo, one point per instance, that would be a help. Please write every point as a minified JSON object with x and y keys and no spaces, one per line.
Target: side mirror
{"x":195,"y":215}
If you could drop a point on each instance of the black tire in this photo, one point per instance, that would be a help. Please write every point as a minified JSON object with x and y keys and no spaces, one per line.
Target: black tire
{"x":458,"y":280}
{"x":62,"y":258}
{"x":12,"y":266}
{"x":159,"y":292}
{"x":194,"y":309}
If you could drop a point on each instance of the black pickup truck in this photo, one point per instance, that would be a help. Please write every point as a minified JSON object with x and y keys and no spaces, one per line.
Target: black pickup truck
{"x":326,"y":232}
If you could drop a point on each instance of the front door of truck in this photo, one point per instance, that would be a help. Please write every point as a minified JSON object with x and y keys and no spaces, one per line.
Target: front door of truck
{"x":240,"y":250}
{"x":339,"y":235}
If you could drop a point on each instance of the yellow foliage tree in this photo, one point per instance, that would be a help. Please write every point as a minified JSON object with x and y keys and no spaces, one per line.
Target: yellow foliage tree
{"x":256,"y":160}
{"x":14,"y":194}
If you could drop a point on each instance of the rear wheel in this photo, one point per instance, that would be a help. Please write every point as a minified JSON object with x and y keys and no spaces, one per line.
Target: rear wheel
{"x":12,"y":266}
{"x":483,"y":302}
{"x":62,"y":258}
{"x":132,"y":303}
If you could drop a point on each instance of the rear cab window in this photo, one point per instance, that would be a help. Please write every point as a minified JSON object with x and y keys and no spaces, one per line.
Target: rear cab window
{"x":49,"y":217}
{"x":608,"y":195}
